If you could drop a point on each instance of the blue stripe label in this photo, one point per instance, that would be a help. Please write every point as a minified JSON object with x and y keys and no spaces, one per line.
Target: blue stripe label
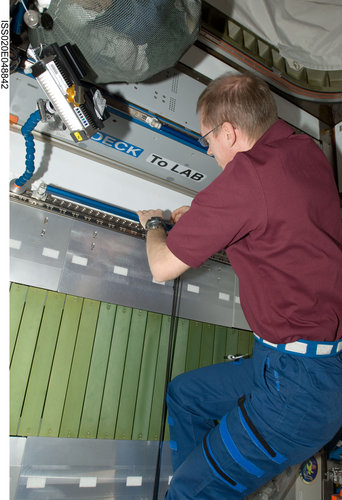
{"x":235,"y":453}
{"x":173,"y":445}
{"x":217,"y":470}
{"x":118,"y":144}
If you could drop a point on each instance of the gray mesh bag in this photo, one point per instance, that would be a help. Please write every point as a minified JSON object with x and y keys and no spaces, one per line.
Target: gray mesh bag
{"x":122,"y":40}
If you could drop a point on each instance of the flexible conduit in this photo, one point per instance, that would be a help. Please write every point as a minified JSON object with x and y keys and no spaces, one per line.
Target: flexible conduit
{"x":99,"y":205}
{"x":26,"y":131}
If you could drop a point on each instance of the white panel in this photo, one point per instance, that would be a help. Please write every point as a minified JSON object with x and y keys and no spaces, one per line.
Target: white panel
{"x":90,"y":178}
{"x":123,"y":271}
{"x":134,"y":481}
{"x":80,"y":261}
{"x":15,"y":244}
{"x":88,"y":482}
{"x":36,"y":482}
{"x":224,"y":296}
{"x":50,"y":252}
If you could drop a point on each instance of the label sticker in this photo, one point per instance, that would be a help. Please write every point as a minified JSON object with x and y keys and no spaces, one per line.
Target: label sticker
{"x":309,"y":470}
{"x":118,"y":144}
{"x":177,"y":168}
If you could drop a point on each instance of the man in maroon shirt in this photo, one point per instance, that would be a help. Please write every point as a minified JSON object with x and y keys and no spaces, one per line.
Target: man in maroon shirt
{"x":275,"y":211}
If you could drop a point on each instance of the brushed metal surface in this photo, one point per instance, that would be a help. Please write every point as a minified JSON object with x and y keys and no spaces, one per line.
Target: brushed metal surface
{"x":75,"y":257}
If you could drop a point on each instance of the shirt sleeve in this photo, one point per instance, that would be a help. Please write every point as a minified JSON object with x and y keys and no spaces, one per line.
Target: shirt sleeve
{"x":230,"y":208}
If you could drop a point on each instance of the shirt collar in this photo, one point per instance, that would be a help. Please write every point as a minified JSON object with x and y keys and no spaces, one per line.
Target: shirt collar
{"x":279,"y":130}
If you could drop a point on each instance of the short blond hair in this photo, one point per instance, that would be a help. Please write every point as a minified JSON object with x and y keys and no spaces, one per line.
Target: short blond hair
{"x":245,"y":101}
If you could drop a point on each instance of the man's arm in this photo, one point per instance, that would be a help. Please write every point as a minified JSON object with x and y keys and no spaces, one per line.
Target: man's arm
{"x":164,"y":265}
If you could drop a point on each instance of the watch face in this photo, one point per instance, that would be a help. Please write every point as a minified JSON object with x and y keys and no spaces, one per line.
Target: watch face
{"x":154,"y":223}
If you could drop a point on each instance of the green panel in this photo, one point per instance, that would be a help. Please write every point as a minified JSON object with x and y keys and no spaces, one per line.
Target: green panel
{"x":251,"y":344}
{"x":243,"y":342}
{"x":147,"y":377}
{"x":116,"y":363}
{"x":58,"y":383}
{"x":97,"y":372}
{"x":130,"y":381}
{"x":207,"y":345}
{"x":159,"y":384}
{"x":17,"y":302}
{"x":232,"y":341}
{"x":219,"y":344}
{"x":23,"y":353}
{"x":41,"y":366}
{"x":179,"y":356}
{"x":194,"y":346}
{"x":79,"y":370}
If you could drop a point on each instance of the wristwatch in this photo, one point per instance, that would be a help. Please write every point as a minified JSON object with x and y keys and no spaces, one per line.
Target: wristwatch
{"x":154,"y":223}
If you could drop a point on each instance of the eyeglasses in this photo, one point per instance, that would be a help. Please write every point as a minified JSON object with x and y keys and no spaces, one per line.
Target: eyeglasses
{"x":203,"y":141}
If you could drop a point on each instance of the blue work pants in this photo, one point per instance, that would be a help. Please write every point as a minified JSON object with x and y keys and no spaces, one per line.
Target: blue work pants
{"x":236,"y":425}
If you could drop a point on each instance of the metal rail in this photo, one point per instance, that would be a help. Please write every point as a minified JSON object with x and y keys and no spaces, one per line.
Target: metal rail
{"x":92,"y":216}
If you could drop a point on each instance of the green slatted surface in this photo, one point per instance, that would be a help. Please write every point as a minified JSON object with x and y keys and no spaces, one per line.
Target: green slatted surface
{"x":89,"y":369}
{"x":97,"y":371}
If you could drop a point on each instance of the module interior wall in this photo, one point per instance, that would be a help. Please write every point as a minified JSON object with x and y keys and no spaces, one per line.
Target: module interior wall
{"x":83,"y":368}
{"x":66,"y":255}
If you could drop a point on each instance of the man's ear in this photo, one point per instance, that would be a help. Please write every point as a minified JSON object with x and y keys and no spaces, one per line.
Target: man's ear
{"x":230,"y":132}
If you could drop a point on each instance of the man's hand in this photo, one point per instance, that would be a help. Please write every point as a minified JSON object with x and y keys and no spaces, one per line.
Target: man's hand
{"x":177,"y":214}
{"x":145,"y":215}
{"x":163,"y":263}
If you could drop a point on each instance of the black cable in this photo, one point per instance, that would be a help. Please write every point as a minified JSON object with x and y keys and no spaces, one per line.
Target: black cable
{"x":169,"y":362}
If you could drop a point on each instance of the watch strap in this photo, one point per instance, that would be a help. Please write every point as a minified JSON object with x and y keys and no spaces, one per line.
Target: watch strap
{"x":154,"y":223}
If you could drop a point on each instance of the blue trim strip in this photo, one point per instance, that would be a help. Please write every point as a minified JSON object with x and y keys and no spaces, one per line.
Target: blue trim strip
{"x":173,"y":445}
{"x":235,"y":453}
{"x":237,"y":487}
{"x":278,"y":458}
{"x":84,"y":200}
{"x":166,"y":130}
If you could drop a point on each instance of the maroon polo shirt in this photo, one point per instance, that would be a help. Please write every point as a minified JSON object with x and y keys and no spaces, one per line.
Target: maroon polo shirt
{"x":275,"y":210}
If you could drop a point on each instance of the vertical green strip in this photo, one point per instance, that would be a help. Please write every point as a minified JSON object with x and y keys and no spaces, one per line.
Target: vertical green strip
{"x":130,"y":381}
{"x":232,"y":341}
{"x":41,"y":366}
{"x":219,"y":344}
{"x":17,"y":302}
{"x":79,"y":370}
{"x":179,"y":356}
{"x":23,"y":353}
{"x":159,"y":383}
{"x":207,"y":345}
{"x":194,"y":346}
{"x":114,"y":376}
{"x":243,"y":342}
{"x":147,"y":377}
{"x":97,"y":372}
{"x":251,"y":343}
{"x":59,"y":377}
{"x":180,"y":350}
